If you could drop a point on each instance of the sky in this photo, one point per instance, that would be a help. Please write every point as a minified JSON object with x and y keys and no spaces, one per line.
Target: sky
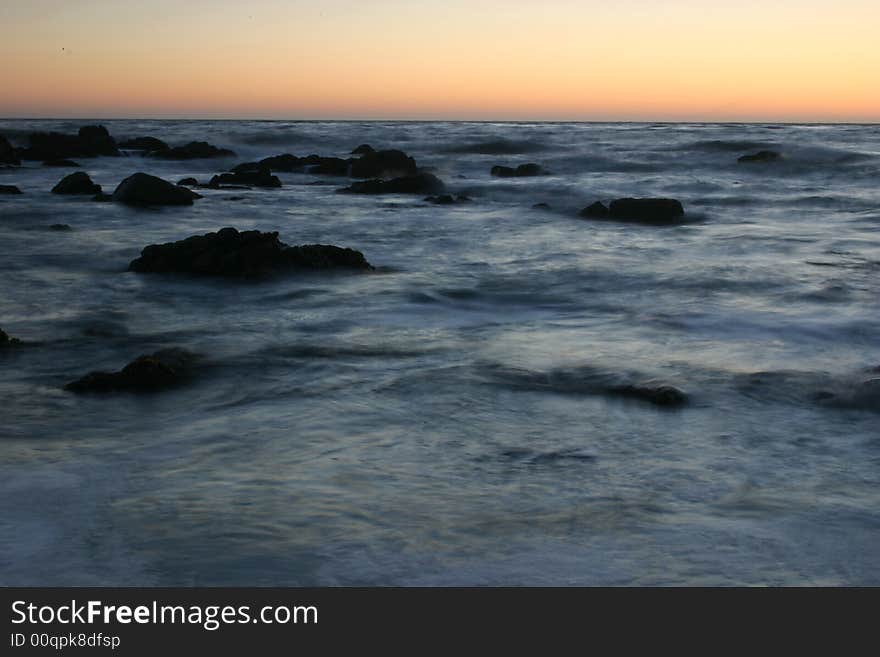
{"x":687,"y":60}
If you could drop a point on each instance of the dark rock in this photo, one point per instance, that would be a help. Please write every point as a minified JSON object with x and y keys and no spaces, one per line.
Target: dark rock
{"x":102,"y":197}
{"x":446,"y":199}
{"x":761,"y":156}
{"x":148,"y":144}
{"x":229,"y":252}
{"x":164,"y":369}
{"x":9,"y":189}
{"x":91,"y":141}
{"x":286,"y":162}
{"x":656,"y":211}
{"x":383,"y":164}
{"x":597,"y":210}
{"x":7,"y":153}
{"x":61,"y":163}
{"x":60,"y":227}
{"x":143,"y":189}
{"x":363,"y":149}
{"x":421,"y":183}
{"x":76,"y":183}
{"x":540,"y":206}
{"x":522,"y":171}
{"x":659,"y":394}
{"x":192,"y":151}
{"x":188,"y":182}
{"x":260,"y":177}
{"x":329,"y":166}
{"x":6,"y":341}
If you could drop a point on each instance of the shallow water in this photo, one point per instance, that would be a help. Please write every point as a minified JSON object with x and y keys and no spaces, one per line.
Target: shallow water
{"x":445,"y":420}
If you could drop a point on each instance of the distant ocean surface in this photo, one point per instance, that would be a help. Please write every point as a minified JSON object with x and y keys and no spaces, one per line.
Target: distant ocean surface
{"x":450,"y":419}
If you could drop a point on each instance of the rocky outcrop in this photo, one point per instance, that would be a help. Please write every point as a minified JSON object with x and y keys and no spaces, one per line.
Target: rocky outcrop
{"x":421,"y":183}
{"x":7,"y":342}
{"x":257,"y":176}
{"x":142,"y":189}
{"x":761,"y":156}
{"x":188,"y":182}
{"x":76,"y":183}
{"x":9,"y":189}
{"x":164,"y":369}
{"x":363,"y":149}
{"x":252,"y":253}
{"x":91,"y":141}
{"x":596,"y":210}
{"x":146,"y":144}
{"x":522,"y":171}
{"x":383,"y":164}
{"x":7,"y":153}
{"x":192,"y":151}
{"x":286,"y":162}
{"x":654,"y":211}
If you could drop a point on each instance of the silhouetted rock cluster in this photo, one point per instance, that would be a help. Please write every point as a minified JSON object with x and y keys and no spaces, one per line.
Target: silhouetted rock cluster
{"x":164,"y":369}
{"x":194,"y":150}
{"x":141,"y":189}
{"x":229,"y":252}
{"x":146,"y":144}
{"x":76,"y":183}
{"x":522,"y":171}
{"x":90,"y":141}
{"x":760,"y":156}
{"x":251,"y":173}
{"x":420,"y":183}
{"x":654,"y":211}
{"x":382,"y":164}
{"x":9,"y":189}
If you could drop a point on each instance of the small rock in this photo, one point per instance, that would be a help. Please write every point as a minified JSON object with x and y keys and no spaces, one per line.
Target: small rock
{"x":659,"y":394}
{"x":76,"y":183}
{"x":363,"y":149}
{"x":761,"y":156}
{"x":596,"y":210}
{"x":6,"y":341}
{"x":259,"y":177}
{"x":287,"y":163}
{"x":655,"y":211}
{"x":188,"y":182}
{"x":522,"y":171}
{"x":421,"y":183}
{"x":60,"y":227}
{"x":383,"y":164}
{"x":164,"y":369}
{"x":9,"y":189}
{"x":102,"y":197}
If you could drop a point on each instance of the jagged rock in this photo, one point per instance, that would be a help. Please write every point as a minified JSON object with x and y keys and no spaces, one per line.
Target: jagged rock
{"x":164,"y":369}
{"x":285,"y":162}
{"x":259,"y":177}
{"x":231,"y":253}
{"x":655,"y":211}
{"x":188,"y":182}
{"x":6,"y":341}
{"x":192,"y":151}
{"x":522,"y":171}
{"x":761,"y":156}
{"x":147,"y":144}
{"x":143,"y":189}
{"x":61,"y":163}
{"x":9,"y":189}
{"x":7,"y":153}
{"x":421,"y":183}
{"x":91,"y":141}
{"x":363,"y":149}
{"x":383,"y":164}
{"x":76,"y":183}
{"x":596,"y":210}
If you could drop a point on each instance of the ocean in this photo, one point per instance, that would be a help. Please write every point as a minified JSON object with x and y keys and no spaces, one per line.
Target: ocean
{"x":454,"y":417}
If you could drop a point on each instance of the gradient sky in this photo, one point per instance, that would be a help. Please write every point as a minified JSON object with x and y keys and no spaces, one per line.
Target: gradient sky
{"x":778,"y":60}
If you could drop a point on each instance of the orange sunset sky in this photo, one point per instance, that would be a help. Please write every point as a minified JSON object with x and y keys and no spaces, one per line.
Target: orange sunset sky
{"x":775,"y":60}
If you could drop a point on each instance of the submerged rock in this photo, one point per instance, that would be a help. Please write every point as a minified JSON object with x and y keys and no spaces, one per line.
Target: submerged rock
{"x":147,"y":144}
{"x":595,"y":210}
{"x":421,"y":183}
{"x":164,"y":369}
{"x":76,"y":183}
{"x":761,"y":156}
{"x":6,"y":341}
{"x":9,"y":189}
{"x":655,"y":211}
{"x":383,"y":164}
{"x":229,"y":252}
{"x":660,"y":394}
{"x":522,"y":171}
{"x":141,"y":189}
{"x":61,"y":163}
{"x":192,"y":151}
